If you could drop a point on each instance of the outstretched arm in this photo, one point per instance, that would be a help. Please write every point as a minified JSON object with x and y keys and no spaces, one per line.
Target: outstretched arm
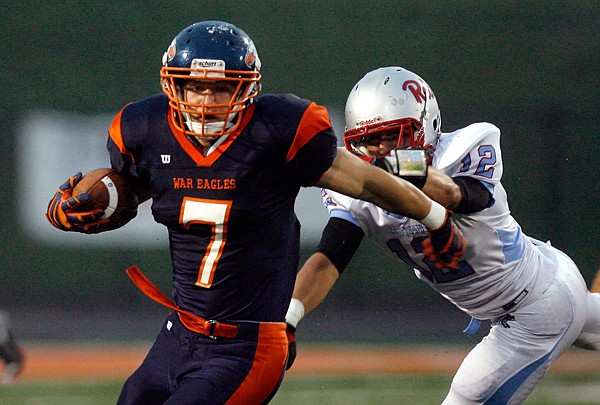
{"x":440,"y":187}
{"x":464,"y":194}
{"x":356,"y":178}
{"x":461,"y":194}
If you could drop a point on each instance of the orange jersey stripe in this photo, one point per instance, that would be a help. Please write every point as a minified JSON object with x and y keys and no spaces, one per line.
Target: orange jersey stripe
{"x":267,"y":369}
{"x":314,"y":120}
{"x":117,"y":137}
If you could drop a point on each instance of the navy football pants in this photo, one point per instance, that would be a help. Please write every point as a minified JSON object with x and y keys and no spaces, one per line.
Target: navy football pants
{"x":185,"y":367}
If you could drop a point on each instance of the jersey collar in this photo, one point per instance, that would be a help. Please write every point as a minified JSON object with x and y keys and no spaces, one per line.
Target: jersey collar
{"x":196,"y":155}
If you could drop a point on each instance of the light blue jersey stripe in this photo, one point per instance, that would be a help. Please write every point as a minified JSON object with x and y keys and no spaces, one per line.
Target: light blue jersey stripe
{"x":513,"y":244}
{"x":343,"y":214}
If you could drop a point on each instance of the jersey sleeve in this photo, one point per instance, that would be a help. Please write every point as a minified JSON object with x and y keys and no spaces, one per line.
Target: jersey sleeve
{"x":120,"y":157}
{"x":338,"y":206}
{"x":314,"y":146}
{"x":361,"y":214}
{"x":472,"y":151}
{"x":119,"y":149}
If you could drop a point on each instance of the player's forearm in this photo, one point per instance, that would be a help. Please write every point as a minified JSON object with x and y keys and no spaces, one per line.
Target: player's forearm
{"x":401,"y":197}
{"x":441,"y":188}
{"x":395,"y":195}
{"x":313,"y":283}
{"x":354,"y":177}
{"x":315,"y":280}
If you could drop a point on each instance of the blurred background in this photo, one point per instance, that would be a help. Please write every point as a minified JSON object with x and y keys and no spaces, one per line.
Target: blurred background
{"x":531,"y":68}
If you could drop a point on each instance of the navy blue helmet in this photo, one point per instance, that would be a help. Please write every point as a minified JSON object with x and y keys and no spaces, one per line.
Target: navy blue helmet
{"x":210,"y":51}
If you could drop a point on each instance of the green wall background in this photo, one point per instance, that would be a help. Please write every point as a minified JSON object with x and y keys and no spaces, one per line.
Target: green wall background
{"x":531,"y":68}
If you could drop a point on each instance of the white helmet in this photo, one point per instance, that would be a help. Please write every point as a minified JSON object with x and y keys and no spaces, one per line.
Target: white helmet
{"x":392,"y":98}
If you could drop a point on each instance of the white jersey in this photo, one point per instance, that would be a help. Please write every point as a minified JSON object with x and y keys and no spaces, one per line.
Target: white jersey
{"x":502,"y":267}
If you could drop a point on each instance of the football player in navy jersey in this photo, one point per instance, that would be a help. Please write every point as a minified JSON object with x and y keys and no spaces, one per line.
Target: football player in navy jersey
{"x":223,"y":168}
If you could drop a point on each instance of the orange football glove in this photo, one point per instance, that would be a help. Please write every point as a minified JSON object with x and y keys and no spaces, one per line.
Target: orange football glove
{"x":445,"y":245}
{"x":61,"y":212}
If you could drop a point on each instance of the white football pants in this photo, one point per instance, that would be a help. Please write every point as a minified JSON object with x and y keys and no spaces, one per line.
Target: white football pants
{"x":509,"y":362}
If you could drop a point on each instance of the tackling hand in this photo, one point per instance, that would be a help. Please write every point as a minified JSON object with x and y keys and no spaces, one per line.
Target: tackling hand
{"x":61,"y":212}
{"x":445,"y":245}
{"x":290,"y":331}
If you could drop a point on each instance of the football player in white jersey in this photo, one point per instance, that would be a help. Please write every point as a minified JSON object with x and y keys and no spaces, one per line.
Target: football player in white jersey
{"x":533,"y":294}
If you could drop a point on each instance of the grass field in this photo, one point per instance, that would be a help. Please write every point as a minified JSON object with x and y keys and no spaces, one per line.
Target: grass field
{"x":87,"y":374}
{"x":326,"y":390}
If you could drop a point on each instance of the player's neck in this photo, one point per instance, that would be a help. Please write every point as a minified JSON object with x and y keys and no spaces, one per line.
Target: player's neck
{"x":207,"y":145}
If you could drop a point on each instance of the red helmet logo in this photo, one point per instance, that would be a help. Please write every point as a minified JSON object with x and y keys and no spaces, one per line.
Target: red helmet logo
{"x":416,"y":89}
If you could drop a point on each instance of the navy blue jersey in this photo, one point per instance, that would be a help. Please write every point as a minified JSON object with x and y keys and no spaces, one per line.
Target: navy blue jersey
{"x":233,"y":233}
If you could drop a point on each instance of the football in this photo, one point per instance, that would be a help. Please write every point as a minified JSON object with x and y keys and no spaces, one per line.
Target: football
{"x":108,"y":192}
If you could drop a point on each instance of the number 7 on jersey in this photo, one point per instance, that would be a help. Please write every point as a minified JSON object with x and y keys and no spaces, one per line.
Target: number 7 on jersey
{"x":209,"y":212}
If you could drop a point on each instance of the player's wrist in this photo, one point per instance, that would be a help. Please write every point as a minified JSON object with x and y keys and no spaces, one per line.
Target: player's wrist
{"x":408,"y":164}
{"x":436,"y":216}
{"x":417,"y":181}
{"x":417,"y":168}
{"x":295,"y":312}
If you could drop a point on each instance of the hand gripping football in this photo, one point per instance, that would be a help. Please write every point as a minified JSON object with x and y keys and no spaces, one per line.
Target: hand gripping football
{"x":108,"y":192}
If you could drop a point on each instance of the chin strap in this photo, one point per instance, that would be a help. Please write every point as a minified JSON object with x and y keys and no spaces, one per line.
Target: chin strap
{"x":209,"y":128}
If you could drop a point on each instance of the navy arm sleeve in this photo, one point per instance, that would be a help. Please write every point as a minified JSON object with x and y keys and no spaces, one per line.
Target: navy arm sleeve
{"x":474,"y":195}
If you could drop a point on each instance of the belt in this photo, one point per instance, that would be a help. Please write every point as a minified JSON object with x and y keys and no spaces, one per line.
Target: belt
{"x":513,"y":303}
{"x":211,"y":328}
{"x":193,"y":322}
